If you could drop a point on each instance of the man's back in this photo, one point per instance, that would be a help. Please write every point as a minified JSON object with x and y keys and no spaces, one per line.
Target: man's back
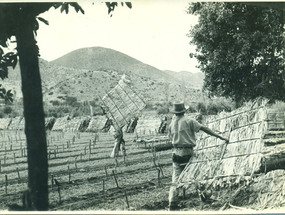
{"x":182,"y":131}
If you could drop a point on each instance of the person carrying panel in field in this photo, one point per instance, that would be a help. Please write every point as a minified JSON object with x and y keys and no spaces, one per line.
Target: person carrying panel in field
{"x":181,"y":132}
{"x":119,"y":143}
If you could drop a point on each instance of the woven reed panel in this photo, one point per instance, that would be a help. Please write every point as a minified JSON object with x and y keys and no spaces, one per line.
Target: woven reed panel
{"x":4,"y":123}
{"x":122,"y":103}
{"x":245,"y":129}
{"x":148,"y":125}
{"x":21,"y":125}
{"x":97,"y":123}
{"x":61,"y":123}
{"x":14,"y":125}
{"x":75,"y":123}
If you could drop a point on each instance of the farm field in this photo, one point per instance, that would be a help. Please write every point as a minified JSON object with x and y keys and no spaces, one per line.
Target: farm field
{"x":82,"y":176}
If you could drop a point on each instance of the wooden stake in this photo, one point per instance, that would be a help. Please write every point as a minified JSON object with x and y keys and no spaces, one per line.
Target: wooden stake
{"x":103,"y":187}
{"x":58,"y":189}
{"x":115,"y":178}
{"x":69,"y":175}
{"x":161,"y":170}
{"x":158,"y":178}
{"x":18,"y":174}
{"x":127,"y":199}
{"x":14,"y":157}
{"x":124,"y":158}
{"x":6,"y":184}
{"x":184,"y":193}
{"x":75,"y":164}
{"x":154,"y":163}
{"x":52,"y":182}
{"x":106,"y":171}
{"x":94,"y":143}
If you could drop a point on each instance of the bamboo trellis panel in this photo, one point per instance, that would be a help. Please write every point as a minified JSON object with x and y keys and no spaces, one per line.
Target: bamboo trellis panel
{"x":244,"y":155}
{"x":122,"y":103}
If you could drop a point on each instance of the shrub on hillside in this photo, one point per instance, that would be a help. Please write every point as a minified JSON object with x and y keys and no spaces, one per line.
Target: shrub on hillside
{"x":7,"y":110}
{"x":57,"y":111}
{"x":162,"y":110}
{"x":201,"y":107}
{"x":72,"y":101}
{"x":191,"y":109}
{"x":213,"y":108}
{"x":55,"y":103}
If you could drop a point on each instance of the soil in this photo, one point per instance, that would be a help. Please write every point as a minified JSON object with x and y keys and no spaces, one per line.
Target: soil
{"x":89,"y":180}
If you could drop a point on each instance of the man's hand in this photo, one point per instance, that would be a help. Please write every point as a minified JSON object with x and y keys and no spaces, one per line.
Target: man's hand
{"x":210,"y":132}
{"x":225,"y":139}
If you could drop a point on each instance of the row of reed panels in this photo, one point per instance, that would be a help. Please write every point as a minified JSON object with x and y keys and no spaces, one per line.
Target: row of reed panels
{"x":245,"y":127}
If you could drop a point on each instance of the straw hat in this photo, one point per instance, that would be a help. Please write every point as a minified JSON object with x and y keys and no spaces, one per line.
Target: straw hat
{"x":178,"y":108}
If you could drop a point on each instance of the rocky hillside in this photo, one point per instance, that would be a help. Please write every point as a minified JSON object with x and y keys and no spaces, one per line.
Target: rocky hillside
{"x":189,"y":79}
{"x":98,"y":58}
{"x":88,"y":73}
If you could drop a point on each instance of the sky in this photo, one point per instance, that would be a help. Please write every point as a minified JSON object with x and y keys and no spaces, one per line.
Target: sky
{"x":153,"y":32}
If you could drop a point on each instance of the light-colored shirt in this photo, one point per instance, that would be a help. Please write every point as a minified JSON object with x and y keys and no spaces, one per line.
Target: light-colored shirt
{"x":182,"y":131}
{"x":118,"y":135}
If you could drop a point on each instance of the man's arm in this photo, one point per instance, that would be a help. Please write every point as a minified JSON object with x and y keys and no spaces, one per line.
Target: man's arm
{"x":210,"y":132}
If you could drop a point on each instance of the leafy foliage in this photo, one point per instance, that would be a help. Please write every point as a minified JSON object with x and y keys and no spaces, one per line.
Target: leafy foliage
{"x":240,"y":48}
{"x":112,"y":5}
{"x":6,"y":95}
{"x":6,"y":60}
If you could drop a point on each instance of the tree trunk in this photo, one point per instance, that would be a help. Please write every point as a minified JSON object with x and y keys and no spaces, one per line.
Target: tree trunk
{"x":34,"y":117}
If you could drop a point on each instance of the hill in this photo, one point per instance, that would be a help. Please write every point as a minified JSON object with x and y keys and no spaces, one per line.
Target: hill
{"x":194,"y":80}
{"x":98,"y":58}
{"x":88,"y":73}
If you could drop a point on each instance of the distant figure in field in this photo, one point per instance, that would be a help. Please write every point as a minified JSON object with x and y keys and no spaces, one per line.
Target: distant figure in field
{"x":119,"y":143}
{"x":163,"y":125}
{"x":132,"y":125}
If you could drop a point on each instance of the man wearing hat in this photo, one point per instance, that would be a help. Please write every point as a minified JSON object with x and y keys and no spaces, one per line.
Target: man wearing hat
{"x":182,"y":134}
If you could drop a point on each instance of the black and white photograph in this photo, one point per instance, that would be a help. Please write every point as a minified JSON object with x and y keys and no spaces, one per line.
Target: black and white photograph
{"x":142,"y":107}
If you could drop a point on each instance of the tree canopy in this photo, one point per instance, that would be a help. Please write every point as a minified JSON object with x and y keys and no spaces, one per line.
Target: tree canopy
{"x":240,"y":48}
